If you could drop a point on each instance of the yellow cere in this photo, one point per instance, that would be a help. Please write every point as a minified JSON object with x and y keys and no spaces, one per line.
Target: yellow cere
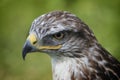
{"x":32,"y":38}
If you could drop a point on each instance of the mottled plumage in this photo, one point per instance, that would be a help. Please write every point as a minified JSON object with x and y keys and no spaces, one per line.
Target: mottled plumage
{"x":75,"y":52}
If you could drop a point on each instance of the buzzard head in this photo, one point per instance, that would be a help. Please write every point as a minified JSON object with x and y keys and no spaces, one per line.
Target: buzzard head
{"x":59,"y":33}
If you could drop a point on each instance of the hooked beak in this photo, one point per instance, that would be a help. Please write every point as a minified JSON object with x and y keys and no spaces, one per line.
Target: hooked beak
{"x":32,"y":45}
{"x":29,"y":45}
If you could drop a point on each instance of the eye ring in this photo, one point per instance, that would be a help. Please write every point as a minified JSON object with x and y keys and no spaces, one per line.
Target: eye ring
{"x":59,"y":36}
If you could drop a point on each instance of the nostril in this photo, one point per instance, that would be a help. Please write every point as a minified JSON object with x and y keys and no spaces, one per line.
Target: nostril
{"x":34,"y":42}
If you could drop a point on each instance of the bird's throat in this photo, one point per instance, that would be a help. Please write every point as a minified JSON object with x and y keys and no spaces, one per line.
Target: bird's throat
{"x":67,"y":68}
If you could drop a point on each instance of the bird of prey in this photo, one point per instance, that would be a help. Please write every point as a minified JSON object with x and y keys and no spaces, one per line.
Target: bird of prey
{"x":75,"y":52}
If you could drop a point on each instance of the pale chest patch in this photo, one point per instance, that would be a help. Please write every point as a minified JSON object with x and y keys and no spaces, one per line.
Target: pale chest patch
{"x":68,"y":68}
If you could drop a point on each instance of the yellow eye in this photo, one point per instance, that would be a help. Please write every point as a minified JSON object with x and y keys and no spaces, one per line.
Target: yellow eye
{"x":58,"y":36}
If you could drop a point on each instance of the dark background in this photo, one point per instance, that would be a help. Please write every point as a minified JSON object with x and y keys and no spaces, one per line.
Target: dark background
{"x":16,"y":16}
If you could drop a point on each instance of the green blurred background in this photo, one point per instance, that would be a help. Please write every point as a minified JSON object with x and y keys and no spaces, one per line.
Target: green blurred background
{"x":16,"y":16}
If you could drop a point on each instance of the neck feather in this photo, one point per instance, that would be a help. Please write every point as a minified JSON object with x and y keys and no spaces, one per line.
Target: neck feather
{"x":65,"y":68}
{"x":74,"y":68}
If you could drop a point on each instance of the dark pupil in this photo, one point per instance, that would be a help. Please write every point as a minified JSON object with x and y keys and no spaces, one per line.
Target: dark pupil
{"x":58,"y":35}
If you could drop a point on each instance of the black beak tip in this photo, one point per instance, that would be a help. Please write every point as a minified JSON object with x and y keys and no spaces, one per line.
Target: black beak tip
{"x":24,"y":54}
{"x":26,"y":49}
